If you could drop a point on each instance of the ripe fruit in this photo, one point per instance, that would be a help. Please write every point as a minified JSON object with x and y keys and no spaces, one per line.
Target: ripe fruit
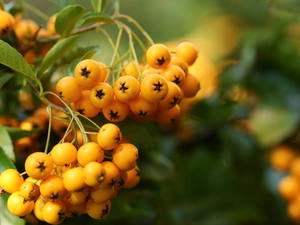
{"x":98,"y":210}
{"x":85,"y":106}
{"x":18,"y":206}
{"x":90,"y":152}
{"x":93,"y":173}
{"x":54,"y":212}
{"x":191,"y":85}
{"x":6,"y":23}
{"x":87,"y":73}
{"x":101,"y":94}
{"x":187,"y":51}
{"x":158,"y":56}
{"x":30,"y":191}
{"x":38,"y":165}
{"x":116,"y":111}
{"x":133,"y":178}
{"x":154,"y":88}
{"x":109,"y":136}
{"x":63,"y":154}
{"x":73,"y":179}
{"x":125,"y":156}
{"x":281,"y":157}
{"x":68,"y":89}
{"x":175,"y":74}
{"x":11,"y":180}
{"x":126,"y":88}
{"x":52,"y":188}
{"x":112,"y":174}
{"x":289,"y":187}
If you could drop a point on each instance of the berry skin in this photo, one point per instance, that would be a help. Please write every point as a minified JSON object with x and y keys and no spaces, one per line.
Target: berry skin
{"x":87,"y":73}
{"x":116,"y":111}
{"x":68,"y":89}
{"x":173,"y":97}
{"x":51,"y":24}
{"x":78,"y":197}
{"x":281,"y":157}
{"x":54,"y":212}
{"x":126,"y":88}
{"x":142,"y":108}
{"x":30,"y":191}
{"x":131,"y":68}
{"x":289,"y":187}
{"x":90,"y":152}
{"x":158,"y":56}
{"x":104,"y":72}
{"x":167,"y":116}
{"x":38,"y":165}
{"x":63,"y":154}
{"x":52,"y":188}
{"x":98,"y":210}
{"x":93,"y":173}
{"x":133,"y":177}
{"x":100,"y":195}
{"x":102,"y":94}
{"x":191,"y":85}
{"x":37,"y":210}
{"x":73,"y":179}
{"x":11,"y":180}
{"x":109,"y":136}
{"x":18,"y":206}
{"x":174,"y":73}
{"x":154,"y":88}
{"x":112,"y":175}
{"x":187,"y":51}
{"x":6,"y":23}
{"x":125,"y":156}
{"x":85,"y":106}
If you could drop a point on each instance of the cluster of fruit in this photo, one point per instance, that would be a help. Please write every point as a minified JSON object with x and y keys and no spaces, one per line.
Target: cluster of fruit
{"x":284,"y":158}
{"x":152,"y":91}
{"x":26,"y":31}
{"x":69,"y":181}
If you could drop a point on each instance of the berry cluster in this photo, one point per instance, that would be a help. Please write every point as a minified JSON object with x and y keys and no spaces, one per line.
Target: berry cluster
{"x":69,"y":181}
{"x":284,"y":158}
{"x":27,"y":31}
{"x":152,"y":91}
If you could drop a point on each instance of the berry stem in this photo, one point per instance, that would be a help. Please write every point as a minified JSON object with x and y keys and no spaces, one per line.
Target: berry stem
{"x":49,"y":111}
{"x":140,"y":28}
{"x":36,"y":11}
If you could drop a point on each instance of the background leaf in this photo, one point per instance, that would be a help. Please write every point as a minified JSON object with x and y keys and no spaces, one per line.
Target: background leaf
{"x":94,"y":17}
{"x":17,"y":133}
{"x":6,"y":143}
{"x":99,"y":5}
{"x":67,"y":19}
{"x":11,"y":58}
{"x":130,"y":128}
{"x":56,"y":52}
{"x":4,"y":78}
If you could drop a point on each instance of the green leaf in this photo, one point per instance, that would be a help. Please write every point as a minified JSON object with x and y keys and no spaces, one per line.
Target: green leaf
{"x":77,"y":52}
{"x":5,"y":216}
{"x":272,"y":124}
{"x":11,"y":58}
{"x":130,"y":128}
{"x":17,"y":133}
{"x":98,"y":5}
{"x":63,"y":3}
{"x":56,"y":52}
{"x":4,"y":78}
{"x":94,"y":17}
{"x":6,"y":143}
{"x":67,"y":19}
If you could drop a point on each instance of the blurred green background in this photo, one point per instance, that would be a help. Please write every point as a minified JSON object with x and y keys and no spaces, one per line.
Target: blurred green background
{"x":212,"y":166}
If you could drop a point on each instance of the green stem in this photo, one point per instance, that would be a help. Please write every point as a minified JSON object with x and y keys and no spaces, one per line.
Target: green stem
{"x":49,"y":111}
{"x":36,"y":11}
{"x":78,"y":122}
{"x":2,"y":5}
{"x":131,"y":45}
{"x":140,"y":28}
{"x":91,"y":121}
